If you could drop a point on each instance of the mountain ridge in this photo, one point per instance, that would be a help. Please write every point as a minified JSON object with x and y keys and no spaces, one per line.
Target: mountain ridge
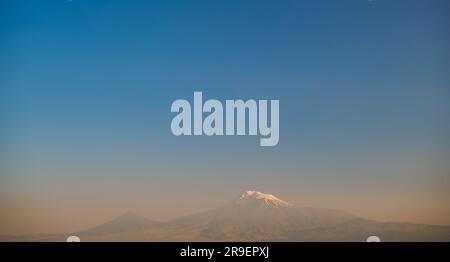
{"x":254,"y":216}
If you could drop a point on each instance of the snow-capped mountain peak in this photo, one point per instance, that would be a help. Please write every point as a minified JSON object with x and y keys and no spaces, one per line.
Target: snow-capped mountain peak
{"x":256,"y":197}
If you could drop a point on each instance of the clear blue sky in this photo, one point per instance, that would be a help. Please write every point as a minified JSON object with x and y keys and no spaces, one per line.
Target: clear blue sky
{"x":362,"y":85}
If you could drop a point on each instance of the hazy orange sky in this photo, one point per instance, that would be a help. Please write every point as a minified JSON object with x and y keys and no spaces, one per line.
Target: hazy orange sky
{"x":87,"y":87}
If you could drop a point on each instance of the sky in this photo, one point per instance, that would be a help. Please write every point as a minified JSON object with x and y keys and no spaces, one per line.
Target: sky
{"x":86,"y":88}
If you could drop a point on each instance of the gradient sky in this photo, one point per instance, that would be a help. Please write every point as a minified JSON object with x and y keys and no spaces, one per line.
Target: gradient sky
{"x":86,"y":88}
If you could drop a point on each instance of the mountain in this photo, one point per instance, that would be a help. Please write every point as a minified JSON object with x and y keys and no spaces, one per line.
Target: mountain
{"x":255,"y":216}
{"x":126,"y":222}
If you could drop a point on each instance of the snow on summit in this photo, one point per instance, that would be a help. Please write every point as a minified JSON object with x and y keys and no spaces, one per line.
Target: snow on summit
{"x":256,"y":197}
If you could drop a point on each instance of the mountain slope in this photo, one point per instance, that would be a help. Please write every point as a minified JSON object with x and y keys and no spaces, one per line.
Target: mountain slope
{"x":357,"y":231}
